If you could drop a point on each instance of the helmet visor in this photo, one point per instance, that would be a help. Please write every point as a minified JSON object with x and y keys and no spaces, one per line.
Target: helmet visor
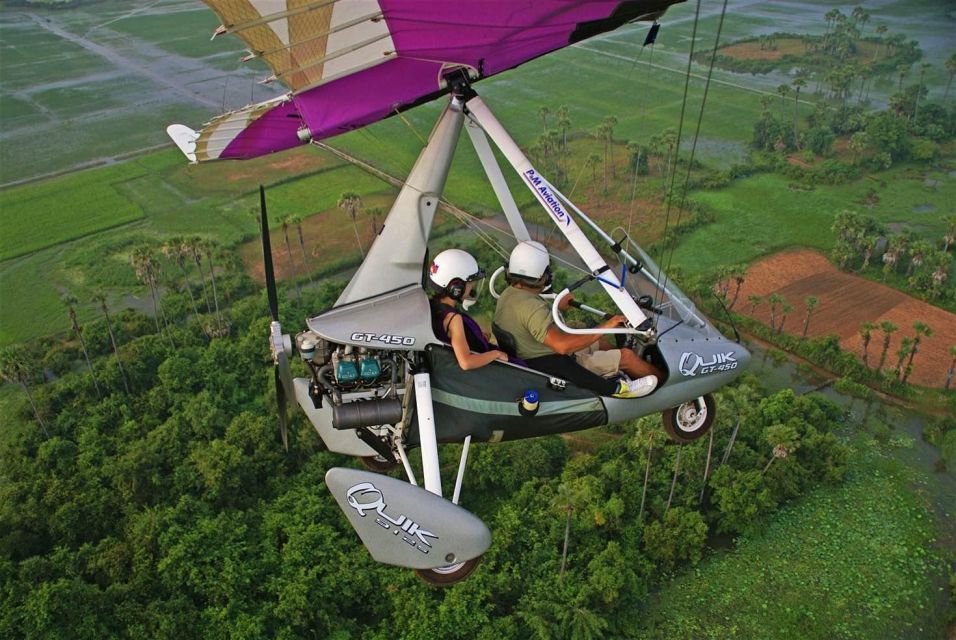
{"x":473,"y":286}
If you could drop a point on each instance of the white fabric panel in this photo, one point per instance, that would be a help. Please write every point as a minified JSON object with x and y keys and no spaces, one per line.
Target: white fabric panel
{"x":368,"y":55}
{"x":225,"y":132}
{"x":268,"y":7}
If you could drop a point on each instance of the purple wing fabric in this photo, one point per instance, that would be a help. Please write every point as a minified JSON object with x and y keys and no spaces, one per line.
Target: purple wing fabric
{"x":423,"y":39}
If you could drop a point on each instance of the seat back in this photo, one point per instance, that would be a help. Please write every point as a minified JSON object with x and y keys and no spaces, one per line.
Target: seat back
{"x":506,"y":341}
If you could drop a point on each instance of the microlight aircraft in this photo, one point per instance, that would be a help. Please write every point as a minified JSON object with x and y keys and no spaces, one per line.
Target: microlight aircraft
{"x":380,"y":383}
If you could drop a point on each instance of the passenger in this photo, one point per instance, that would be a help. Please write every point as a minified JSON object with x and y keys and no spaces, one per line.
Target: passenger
{"x":453,"y":274}
{"x":523,"y":324}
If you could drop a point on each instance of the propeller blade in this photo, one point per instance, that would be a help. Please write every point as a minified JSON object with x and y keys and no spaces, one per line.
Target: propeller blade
{"x":267,"y":256}
{"x":284,"y":371}
{"x":281,"y":405}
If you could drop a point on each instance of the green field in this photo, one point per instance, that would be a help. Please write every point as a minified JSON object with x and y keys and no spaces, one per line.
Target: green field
{"x":845,"y":562}
{"x":95,"y":107}
{"x":48,"y":213}
{"x":763,"y":214}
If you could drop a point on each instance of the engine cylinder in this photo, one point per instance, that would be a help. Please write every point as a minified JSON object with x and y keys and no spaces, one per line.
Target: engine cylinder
{"x":366,"y":413}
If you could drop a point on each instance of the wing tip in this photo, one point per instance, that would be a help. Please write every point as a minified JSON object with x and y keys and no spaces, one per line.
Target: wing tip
{"x":184,"y":138}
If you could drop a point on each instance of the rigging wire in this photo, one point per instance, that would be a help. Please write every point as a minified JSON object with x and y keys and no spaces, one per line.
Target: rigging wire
{"x":700,"y":118}
{"x":642,"y":124}
{"x":680,"y":130}
{"x":470,"y":220}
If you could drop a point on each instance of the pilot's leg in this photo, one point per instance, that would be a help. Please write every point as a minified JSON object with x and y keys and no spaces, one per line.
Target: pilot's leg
{"x":637,"y":367}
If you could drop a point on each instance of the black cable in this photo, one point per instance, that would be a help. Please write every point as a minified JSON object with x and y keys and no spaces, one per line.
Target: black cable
{"x":693,"y":150}
{"x":680,"y":131}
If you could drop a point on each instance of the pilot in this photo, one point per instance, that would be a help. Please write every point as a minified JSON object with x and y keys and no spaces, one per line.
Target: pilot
{"x":453,"y":277}
{"x":524,"y":326}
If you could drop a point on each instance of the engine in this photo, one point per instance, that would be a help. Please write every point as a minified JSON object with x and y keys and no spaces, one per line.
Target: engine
{"x":362,"y":383}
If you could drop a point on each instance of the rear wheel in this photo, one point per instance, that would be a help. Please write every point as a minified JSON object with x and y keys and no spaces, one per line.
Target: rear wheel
{"x":378,"y":463}
{"x":445,"y":576}
{"x":690,"y":420}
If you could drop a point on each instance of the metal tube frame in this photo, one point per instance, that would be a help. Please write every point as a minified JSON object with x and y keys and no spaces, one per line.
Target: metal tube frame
{"x":547,"y":195}
{"x":427,"y":433}
{"x":461,"y":469}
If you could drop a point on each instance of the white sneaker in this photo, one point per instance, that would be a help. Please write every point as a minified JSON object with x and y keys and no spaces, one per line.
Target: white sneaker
{"x":636,"y":388}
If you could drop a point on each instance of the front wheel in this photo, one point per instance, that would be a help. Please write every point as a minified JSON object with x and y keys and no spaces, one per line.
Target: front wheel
{"x":445,"y":576}
{"x":690,"y":420}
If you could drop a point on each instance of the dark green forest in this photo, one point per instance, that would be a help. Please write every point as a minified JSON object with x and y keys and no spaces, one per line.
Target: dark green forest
{"x":172,"y":510}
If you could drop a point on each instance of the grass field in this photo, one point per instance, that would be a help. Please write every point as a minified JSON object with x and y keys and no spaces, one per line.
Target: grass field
{"x":760,"y":215}
{"x":47,"y":213}
{"x":855,"y":561}
{"x":77,"y":230}
{"x":94,"y":82}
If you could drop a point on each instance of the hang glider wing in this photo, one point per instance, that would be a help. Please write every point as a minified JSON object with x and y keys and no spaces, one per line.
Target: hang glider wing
{"x":349,"y":63}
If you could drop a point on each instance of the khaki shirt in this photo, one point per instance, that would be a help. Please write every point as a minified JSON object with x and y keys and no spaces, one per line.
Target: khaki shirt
{"x":527,"y":318}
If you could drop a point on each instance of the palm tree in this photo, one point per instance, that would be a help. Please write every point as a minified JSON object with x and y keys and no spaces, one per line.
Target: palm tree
{"x":774,"y":300}
{"x":373,"y":214}
{"x":858,"y":142}
{"x":888,"y":329}
{"x":939,"y":274}
{"x":564,"y":123}
{"x":918,"y":252}
{"x":592,"y":162}
{"x":950,"y":65}
{"x":297,"y":221}
{"x":543,"y":113}
{"x":288,"y":248}
{"x":881,"y":31}
{"x":901,"y":353}
{"x":919,"y":91}
{"x":564,"y":501}
{"x":952,"y":367}
{"x":101,"y":299}
{"x":71,"y":302}
{"x":210,"y":249}
{"x":16,"y":367}
{"x":605,"y":133}
{"x":646,"y":437}
{"x":869,"y":246}
{"x":783,"y":91}
{"x":866,"y":332}
{"x":710,"y":450}
{"x":176,"y":250}
{"x":812,"y":302}
{"x":891,"y":257}
{"x":670,"y":496}
{"x":798,"y":83}
{"x":739,"y":275}
{"x":754,"y":301}
{"x":860,"y":17}
{"x":146,"y":271}
{"x":783,"y":439}
{"x":922,"y":330}
{"x":669,"y":142}
{"x":902,"y":70}
{"x":950,"y":235}
{"x":785,"y":311}
{"x":351,"y":202}
{"x":141,"y":260}
{"x":194,"y":246}
{"x":582,"y":622}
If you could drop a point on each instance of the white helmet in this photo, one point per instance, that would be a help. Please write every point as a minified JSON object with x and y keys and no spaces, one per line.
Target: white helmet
{"x":451,"y":270}
{"x":529,"y":262}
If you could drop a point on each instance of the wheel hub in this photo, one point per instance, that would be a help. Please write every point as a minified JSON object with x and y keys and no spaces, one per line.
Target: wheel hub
{"x":689,"y":418}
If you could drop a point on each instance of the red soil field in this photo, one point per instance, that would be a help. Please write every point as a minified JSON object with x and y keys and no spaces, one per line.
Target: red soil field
{"x":752,"y":50}
{"x":845,"y":302}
